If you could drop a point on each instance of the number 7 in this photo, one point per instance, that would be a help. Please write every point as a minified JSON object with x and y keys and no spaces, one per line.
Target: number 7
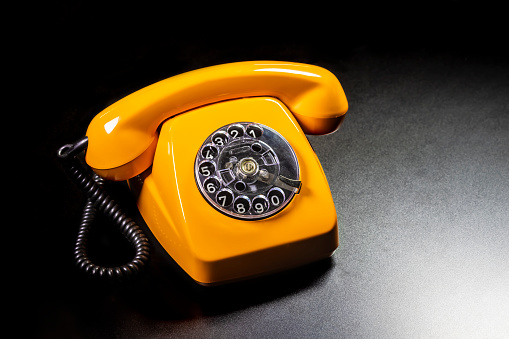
{"x":222,"y":198}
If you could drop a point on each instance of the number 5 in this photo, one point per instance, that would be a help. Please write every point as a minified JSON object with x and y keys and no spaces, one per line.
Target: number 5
{"x":205,"y":171}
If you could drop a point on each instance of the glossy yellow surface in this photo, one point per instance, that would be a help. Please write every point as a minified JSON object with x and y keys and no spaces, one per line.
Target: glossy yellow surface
{"x":121,"y":138}
{"x":212,"y":247}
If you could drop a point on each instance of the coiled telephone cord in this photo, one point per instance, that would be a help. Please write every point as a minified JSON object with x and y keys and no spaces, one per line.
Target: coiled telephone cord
{"x":99,"y":200}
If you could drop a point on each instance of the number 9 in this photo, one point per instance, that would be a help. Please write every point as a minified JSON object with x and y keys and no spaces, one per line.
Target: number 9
{"x":259,"y":207}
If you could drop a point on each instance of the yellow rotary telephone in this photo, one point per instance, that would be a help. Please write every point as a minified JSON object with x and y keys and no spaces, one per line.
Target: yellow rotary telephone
{"x":222,"y":171}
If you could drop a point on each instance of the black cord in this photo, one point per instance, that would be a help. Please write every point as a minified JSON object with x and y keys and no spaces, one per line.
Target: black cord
{"x":99,"y":200}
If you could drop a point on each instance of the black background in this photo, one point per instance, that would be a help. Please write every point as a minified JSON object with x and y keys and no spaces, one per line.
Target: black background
{"x":72,"y":60}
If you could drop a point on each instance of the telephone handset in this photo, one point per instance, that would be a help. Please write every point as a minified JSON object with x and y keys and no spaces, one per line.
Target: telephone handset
{"x":223,"y":174}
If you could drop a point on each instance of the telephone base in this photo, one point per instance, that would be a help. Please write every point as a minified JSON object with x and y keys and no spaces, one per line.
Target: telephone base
{"x":214,"y":247}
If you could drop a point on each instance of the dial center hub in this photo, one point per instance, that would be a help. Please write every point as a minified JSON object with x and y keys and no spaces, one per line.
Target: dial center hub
{"x":248,"y":166}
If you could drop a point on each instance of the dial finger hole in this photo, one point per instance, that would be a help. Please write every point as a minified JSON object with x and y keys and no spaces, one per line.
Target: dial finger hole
{"x":207,"y":168}
{"x":256,"y":147}
{"x":236,"y":130}
{"x":209,"y":152}
{"x":242,"y":204}
{"x":276,"y":196}
{"x":260,"y":204}
{"x":224,"y":197}
{"x":254,"y":131}
{"x":240,"y":186}
{"x":220,"y":138}
{"x":211,"y":185}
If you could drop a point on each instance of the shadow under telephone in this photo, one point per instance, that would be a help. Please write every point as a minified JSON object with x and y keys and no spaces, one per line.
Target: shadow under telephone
{"x":220,"y":167}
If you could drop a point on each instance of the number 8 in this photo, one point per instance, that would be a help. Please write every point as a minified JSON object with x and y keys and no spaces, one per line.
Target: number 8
{"x":241,"y":208}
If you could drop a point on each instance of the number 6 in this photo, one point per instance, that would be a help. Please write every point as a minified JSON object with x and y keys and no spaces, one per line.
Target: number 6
{"x":211,"y":188}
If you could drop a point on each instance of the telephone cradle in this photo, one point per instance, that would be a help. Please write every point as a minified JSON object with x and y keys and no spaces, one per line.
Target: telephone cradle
{"x":220,"y":167}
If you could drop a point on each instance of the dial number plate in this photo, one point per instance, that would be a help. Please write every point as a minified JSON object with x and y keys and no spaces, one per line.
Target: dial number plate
{"x":243,"y":170}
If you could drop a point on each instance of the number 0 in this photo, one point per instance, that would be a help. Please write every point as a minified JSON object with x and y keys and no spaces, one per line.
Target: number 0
{"x":274,"y":200}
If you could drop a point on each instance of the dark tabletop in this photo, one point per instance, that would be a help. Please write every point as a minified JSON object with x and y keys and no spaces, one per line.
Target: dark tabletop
{"x":419,"y":173}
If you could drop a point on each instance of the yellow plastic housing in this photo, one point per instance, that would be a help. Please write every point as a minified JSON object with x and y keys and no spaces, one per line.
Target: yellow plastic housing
{"x":122,"y":138}
{"x":212,"y":247}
